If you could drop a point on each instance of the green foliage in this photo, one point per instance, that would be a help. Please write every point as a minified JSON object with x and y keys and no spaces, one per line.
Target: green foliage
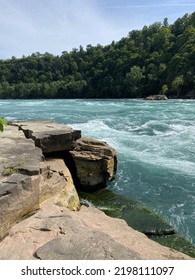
{"x":160,"y":58}
{"x":2,"y":123}
{"x":177,"y":84}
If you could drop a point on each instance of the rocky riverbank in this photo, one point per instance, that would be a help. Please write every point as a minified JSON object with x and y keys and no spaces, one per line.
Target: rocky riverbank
{"x":38,"y":194}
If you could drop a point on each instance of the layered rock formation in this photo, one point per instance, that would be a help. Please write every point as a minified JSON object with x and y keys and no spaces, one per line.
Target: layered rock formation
{"x":26,"y":179}
{"x":19,"y":178}
{"x":95,"y":161}
{"x":29,"y":175}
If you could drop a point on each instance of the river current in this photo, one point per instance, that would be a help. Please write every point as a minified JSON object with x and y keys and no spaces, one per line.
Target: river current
{"x":155,"y":142}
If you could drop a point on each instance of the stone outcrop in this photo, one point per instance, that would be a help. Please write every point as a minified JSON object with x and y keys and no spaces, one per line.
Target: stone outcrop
{"x":57,"y":233}
{"x":26,"y":179}
{"x":156,"y":97}
{"x":28,"y":176}
{"x":95,"y":162}
{"x":50,"y":136}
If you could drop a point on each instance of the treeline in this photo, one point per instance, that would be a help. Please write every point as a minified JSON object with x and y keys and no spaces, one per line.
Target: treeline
{"x":159,"y":59}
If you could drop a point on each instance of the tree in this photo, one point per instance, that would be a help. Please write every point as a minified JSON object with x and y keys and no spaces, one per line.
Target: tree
{"x":177,"y":84}
{"x":164,"y":89}
{"x":133,"y":79}
{"x":158,"y":58}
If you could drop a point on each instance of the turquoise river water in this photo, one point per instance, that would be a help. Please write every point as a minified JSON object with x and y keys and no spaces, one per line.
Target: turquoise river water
{"x":155,"y":141}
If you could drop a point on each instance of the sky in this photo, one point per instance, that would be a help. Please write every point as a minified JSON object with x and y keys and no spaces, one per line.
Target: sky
{"x":54,"y":26}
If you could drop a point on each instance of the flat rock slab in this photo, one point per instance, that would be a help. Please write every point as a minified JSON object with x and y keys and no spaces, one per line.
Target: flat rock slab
{"x":18,"y":154}
{"x":91,"y":245}
{"x":49,"y":136}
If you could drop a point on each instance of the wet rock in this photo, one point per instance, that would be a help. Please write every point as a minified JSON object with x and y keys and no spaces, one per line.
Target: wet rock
{"x":134,"y":213}
{"x":139,"y":218}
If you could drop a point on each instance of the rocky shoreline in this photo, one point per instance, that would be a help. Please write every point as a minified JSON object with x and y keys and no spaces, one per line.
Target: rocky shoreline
{"x":40,"y":164}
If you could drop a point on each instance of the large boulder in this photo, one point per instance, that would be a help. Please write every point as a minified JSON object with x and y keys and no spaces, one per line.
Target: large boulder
{"x":49,"y":136}
{"x":95,"y":162}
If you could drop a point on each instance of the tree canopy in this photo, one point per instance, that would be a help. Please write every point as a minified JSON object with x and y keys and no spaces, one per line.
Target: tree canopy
{"x":158,"y":59}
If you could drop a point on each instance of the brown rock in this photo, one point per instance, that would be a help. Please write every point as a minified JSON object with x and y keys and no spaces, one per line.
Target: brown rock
{"x":49,"y":136}
{"x":19,"y":178}
{"x":19,"y":197}
{"x":18,"y":154}
{"x":56,"y":180}
{"x":95,"y":162}
{"x":23,"y":186}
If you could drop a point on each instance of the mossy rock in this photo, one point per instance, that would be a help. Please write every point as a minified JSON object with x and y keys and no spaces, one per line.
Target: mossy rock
{"x":9,"y":171}
{"x":135,"y":214}
{"x":176,"y":242}
{"x":138,"y":217}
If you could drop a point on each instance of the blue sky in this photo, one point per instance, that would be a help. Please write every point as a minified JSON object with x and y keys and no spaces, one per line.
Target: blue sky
{"x":54,"y":26}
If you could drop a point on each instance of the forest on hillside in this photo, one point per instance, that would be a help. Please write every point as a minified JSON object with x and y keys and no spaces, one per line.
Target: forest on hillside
{"x":159,"y":59}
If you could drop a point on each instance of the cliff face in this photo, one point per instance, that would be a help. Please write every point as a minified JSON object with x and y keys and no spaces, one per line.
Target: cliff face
{"x":35,"y":182}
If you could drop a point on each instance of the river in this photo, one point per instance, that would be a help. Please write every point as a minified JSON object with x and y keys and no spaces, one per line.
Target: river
{"x":155,"y":141}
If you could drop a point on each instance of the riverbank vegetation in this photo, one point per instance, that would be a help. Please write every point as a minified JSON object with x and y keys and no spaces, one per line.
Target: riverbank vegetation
{"x":2,"y":123}
{"x":159,"y":59}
